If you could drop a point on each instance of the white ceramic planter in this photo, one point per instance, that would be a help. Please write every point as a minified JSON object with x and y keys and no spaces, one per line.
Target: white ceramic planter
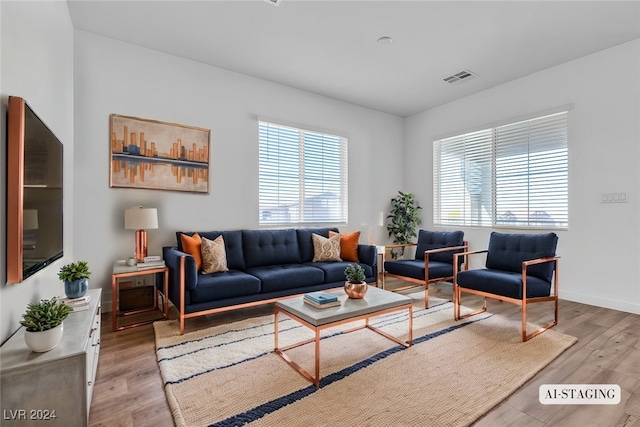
{"x":45,"y":340}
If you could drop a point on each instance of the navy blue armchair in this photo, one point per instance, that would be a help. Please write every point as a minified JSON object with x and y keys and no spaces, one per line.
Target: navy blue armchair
{"x":433,"y":261}
{"x":520,"y":268}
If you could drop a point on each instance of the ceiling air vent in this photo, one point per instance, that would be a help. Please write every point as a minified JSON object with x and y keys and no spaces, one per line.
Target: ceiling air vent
{"x":458,"y":77}
{"x":273,"y":2}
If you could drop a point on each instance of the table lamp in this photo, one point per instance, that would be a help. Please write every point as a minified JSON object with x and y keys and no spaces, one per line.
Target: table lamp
{"x":141,"y":219}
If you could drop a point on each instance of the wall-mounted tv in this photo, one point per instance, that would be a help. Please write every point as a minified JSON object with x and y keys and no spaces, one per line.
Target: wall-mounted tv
{"x":34,"y":193}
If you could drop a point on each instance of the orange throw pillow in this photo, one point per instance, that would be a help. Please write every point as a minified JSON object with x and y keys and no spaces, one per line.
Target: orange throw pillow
{"x":192,"y":245}
{"x":348,"y":245}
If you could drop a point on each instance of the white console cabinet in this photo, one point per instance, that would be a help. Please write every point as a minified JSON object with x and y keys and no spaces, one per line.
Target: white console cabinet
{"x":52,"y":388}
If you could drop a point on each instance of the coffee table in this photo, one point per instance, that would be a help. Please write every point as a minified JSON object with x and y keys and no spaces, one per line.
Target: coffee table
{"x":375,"y":303}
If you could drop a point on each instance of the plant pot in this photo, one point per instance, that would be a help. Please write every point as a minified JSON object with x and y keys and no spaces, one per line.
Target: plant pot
{"x":355,"y":290}
{"x":45,"y":340}
{"x":76,"y":288}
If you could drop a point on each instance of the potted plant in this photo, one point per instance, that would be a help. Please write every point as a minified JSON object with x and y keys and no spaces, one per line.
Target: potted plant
{"x":76,"y":278}
{"x":44,"y":324}
{"x":355,"y":286}
{"x":404,"y":220}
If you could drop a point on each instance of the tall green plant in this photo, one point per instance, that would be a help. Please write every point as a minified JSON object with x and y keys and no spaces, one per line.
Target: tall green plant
{"x":404,"y":220}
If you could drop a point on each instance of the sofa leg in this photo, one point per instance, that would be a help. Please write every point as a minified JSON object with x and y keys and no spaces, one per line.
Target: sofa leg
{"x":472,"y":313}
{"x":455,"y":300}
{"x":524,"y":320}
{"x":426,"y":296}
{"x":540,"y":330}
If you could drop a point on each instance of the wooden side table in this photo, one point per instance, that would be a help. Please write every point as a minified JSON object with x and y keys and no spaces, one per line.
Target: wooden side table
{"x":380,"y":266}
{"x":121,"y":270}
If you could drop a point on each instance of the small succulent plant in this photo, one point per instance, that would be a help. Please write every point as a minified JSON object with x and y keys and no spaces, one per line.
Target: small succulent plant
{"x":74,"y":271}
{"x":354,"y":273}
{"x":45,"y":315}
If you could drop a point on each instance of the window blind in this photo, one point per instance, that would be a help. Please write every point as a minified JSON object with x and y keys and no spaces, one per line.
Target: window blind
{"x":512,"y":175}
{"x":303,"y":176}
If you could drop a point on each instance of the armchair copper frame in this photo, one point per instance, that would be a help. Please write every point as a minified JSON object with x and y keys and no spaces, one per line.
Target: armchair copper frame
{"x":457,"y":290}
{"x":426,"y":281}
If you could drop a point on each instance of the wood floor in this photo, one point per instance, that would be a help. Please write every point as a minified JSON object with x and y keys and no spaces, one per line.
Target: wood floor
{"x":129,"y":392}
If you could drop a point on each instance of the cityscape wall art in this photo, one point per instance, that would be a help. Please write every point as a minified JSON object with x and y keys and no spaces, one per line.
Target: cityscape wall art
{"x":158,"y":155}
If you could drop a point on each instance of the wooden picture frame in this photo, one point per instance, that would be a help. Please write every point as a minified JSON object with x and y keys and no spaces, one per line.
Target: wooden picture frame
{"x":155,"y":155}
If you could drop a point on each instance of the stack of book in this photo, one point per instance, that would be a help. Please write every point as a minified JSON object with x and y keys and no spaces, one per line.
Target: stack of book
{"x":154,"y":261}
{"x":77,"y":304}
{"x":321,"y":299}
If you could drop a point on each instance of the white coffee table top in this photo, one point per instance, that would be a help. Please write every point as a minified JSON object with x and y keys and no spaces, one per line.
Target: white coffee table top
{"x":375,"y":300}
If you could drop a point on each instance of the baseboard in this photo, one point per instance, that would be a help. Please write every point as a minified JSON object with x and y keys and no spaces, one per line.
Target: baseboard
{"x":601,"y":302}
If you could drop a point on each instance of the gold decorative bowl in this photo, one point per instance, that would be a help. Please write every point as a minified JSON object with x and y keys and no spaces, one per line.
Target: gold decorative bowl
{"x":356,"y":290}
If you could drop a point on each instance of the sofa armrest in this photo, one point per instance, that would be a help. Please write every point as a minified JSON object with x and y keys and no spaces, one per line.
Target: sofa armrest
{"x":539,"y":261}
{"x":526,"y":264}
{"x":172,"y":258}
{"x":400,"y":245}
{"x":367,"y":254}
{"x":445,"y":249}
{"x":466,"y":254}
{"x":463,"y":249}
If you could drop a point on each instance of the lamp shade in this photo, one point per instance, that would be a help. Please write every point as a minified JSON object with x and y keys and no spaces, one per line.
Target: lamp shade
{"x":140,"y":218}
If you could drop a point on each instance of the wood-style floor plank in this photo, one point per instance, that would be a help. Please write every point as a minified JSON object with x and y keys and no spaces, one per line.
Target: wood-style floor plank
{"x":129,"y":392}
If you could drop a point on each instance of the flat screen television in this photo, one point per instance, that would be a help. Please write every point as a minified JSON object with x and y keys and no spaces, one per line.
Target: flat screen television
{"x":34,"y":193}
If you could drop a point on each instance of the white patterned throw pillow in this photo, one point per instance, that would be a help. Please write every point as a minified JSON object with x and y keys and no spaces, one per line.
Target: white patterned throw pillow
{"x":214,"y":256}
{"x":326,"y":249}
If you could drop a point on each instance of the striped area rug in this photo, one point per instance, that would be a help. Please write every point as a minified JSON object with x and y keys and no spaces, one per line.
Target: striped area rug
{"x":228,"y":375}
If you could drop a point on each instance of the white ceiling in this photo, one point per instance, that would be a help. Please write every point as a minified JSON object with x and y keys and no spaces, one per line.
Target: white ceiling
{"x":330,"y":48}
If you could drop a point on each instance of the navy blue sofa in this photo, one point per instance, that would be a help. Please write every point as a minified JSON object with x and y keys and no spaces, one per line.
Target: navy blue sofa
{"x":264,"y":266}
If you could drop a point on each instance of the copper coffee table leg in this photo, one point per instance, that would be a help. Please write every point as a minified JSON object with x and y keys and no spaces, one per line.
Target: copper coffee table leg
{"x":317,"y":378}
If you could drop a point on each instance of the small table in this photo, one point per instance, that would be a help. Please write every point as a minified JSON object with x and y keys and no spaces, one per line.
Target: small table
{"x":375,"y":303}
{"x":120,"y":270}
{"x":380,"y":254}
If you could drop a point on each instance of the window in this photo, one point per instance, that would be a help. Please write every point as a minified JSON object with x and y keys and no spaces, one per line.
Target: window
{"x":303,"y":176}
{"x":514,"y":175}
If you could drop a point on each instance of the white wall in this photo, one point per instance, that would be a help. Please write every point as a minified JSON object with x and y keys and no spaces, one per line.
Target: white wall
{"x":600,"y":250}
{"x":120,"y":78}
{"x":37,"y":65}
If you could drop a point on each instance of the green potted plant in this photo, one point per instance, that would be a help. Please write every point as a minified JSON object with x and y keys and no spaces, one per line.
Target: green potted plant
{"x":404,"y":220}
{"x":355,"y":286}
{"x":76,"y":278}
{"x":43,"y":322}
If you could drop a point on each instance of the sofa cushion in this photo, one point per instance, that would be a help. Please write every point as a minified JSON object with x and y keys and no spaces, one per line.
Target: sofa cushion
{"x":326,"y":249}
{"x":508,"y":251}
{"x":270,"y":247}
{"x":232,"y":245}
{"x":286,"y":276}
{"x":334,"y":271}
{"x":437,"y":239}
{"x":214,"y":257}
{"x":228,"y":284}
{"x":348,"y":245}
{"x":415,"y":268}
{"x":305,"y":241}
{"x":503,"y":283}
{"x":193,"y":246}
